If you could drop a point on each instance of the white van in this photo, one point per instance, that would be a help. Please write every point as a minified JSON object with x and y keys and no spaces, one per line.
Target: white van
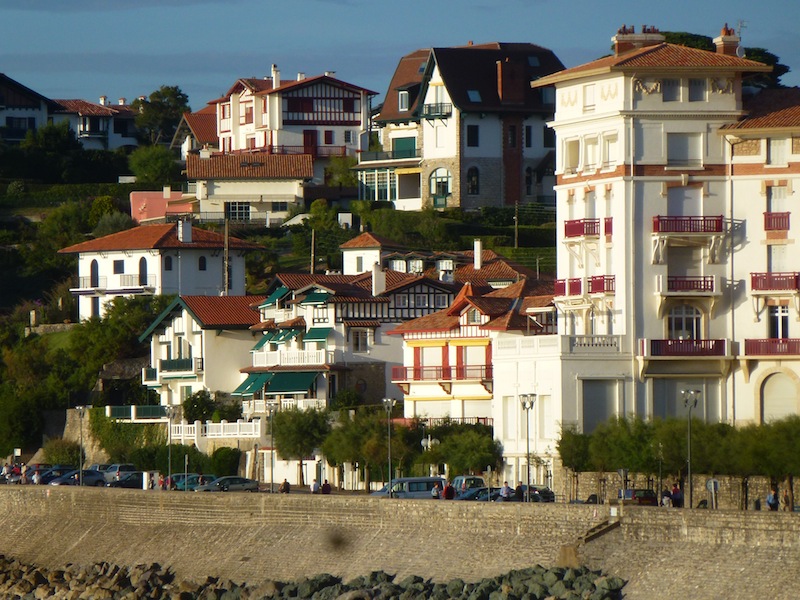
{"x":462,"y":483}
{"x":411,"y":487}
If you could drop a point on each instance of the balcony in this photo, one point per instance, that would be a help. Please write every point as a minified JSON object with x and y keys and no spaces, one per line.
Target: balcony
{"x":294,"y":358}
{"x":773,"y":347}
{"x":582,"y":228}
{"x":700,"y":287}
{"x":95,"y":134}
{"x":392,"y":155}
{"x":568,"y":287}
{"x":587,"y":345}
{"x":706,"y":357}
{"x":444,"y":376}
{"x":149,"y":375}
{"x":698,"y":225}
{"x":776,"y":221}
{"x":174,"y":366}
{"x":602,"y":284}
{"x":774,"y":282}
{"x":137,"y":282}
{"x":438,"y":110}
{"x":681,"y":348}
{"x":687,"y":231}
{"x":90,"y":284}
{"x":136,"y":414}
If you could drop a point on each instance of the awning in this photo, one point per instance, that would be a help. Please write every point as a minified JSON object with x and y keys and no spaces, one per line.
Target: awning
{"x":285,"y":335}
{"x":266,"y":338}
{"x":362,"y":323}
{"x":317,"y":334}
{"x":291,"y":383}
{"x":253,"y":383}
{"x":275,"y":296}
{"x":315,"y":298}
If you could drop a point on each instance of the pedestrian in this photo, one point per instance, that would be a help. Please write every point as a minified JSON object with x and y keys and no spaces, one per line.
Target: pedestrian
{"x":519,"y":493}
{"x":161,"y":483}
{"x":285,"y":488}
{"x":37,"y":477}
{"x":6,"y":471}
{"x":666,"y":498}
{"x":436,"y":491}
{"x":677,"y":496}
{"x":772,"y":500}
{"x":505,"y":492}
{"x":449,"y":491}
{"x":314,"y":487}
{"x":786,"y":501}
{"x":326,"y":487}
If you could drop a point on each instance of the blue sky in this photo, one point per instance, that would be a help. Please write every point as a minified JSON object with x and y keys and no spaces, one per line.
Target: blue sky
{"x":89,"y":48}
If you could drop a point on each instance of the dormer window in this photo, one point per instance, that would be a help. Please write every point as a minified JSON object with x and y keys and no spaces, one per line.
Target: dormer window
{"x":473,"y":316}
{"x":446,"y":264}
{"x":398,"y":264}
{"x":402,"y":100}
{"x":415,"y":265}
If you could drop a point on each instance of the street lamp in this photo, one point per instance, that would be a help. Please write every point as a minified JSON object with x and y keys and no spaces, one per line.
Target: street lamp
{"x":81,"y":411}
{"x":527,"y":401}
{"x":388,"y":404}
{"x":428,"y":443}
{"x":169,"y":411}
{"x":690,"y":398}
{"x":271,"y":408}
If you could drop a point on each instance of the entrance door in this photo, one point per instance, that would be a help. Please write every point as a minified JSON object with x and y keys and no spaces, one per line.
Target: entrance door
{"x":310,"y":137}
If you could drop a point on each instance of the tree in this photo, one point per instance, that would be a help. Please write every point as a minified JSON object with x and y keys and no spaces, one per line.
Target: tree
{"x":112,"y":223}
{"x":198,"y":407}
{"x":340,"y":171}
{"x":160,"y":113}
{"x":358,"y":440}
{"x":154,"y":165}
{"x":470,"y":451}
{"x":298,"y":433}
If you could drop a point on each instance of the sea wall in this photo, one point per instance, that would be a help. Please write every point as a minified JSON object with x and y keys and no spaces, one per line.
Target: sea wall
{"x":255,"y":537}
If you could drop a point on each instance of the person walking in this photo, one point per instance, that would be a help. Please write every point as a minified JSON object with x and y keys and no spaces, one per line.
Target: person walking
{"x":505,"y":492}
{"x":772,"y":500}
{"x":677,"y":496}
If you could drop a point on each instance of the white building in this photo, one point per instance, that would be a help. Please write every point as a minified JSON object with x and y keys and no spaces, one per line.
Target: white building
{"x":461,"y":127}
{"x":21,"y":110}
{"x":172,"y":258}
{"x":101,"y":126}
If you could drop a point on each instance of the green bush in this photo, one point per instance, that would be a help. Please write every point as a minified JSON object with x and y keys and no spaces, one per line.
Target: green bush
{"x":225,"y":461}
{"x":59,"y":451}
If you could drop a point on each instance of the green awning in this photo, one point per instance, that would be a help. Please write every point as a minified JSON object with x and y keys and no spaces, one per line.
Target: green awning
{"x":285,"y":336}
{"x":267,"y":337}
{"x":291,"y":383}
{"x":317,"y":334}
{"x":275,"y":296}
{"x":253,"y":383}
{"x":315,"y":298}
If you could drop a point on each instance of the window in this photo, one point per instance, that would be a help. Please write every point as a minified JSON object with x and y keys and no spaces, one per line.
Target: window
{"x":237,"y":211}
{"x":440,"y":182}
{"x":280,"y":206}
{"x":591,"y":157}
{"x":474,"y":95}
{"x":398,"y":264}
{"x":778,"y":322}
{"x":599,"y":403}
{"x":360,"y":264}
{"x":472,"y":136}
{"x":248,"y":114}
{"x":446,"y":264}
{"x":143,"y":271}
{"x":329,"y":136}
{"x":776,"y":151}
{"x":320,"y":313}
{"x":512,"y":136}
{"x":697,"y":90}
{"x":609,"y":150}
{"x":548,"y":137}
{"x":201,"y":263}
{"x":684,"y":323}
{"x":226,"y":111}
{"x":402,"y":100}
{"x":588,"y":97}
{"x":528,"y":136}
{"x":572,"y":152}
{"x":348,"y":137}
{"x":440,"y":301}
{"x":670,"y":90}
{"x":473,"y":316}
{"x":684,"y":150}
{"x":421,"y":300}
{"x":401,"y":301}
{"x":360,"y":338}
{"x":473,"y":181}
{"x":119,"y":267}
{"x":349,"y":105}
{"x":300,"y":105}
{"x":415,"y":265}
{"x":168,"y":263}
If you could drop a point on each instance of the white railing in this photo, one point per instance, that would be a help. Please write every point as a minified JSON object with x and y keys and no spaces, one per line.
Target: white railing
{"x":525,"y":346}
{"x":137,"y":281}
{"x":591,"y":344}
{"x":86,"y":283}
{"x":195,"y":432}
{"x":303,"y":403}
{"x":293,"y":358}
{"x":259,"y":407}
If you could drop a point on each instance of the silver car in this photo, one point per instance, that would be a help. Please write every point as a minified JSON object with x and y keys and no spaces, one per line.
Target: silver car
{"x":230,"y":483}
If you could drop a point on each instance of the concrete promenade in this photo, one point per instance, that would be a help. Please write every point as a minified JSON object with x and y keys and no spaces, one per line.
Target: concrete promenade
{"x":254,"y":537}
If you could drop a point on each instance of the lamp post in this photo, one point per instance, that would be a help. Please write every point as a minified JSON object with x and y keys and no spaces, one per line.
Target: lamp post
{"x":690,"y":398}
{"x":271,"y":412}
{"x":169,"y":411}
{"x":388,"y":404}
{"x":527,"y":401}
{"x":81,"y":411}
{"x":428,"y":443}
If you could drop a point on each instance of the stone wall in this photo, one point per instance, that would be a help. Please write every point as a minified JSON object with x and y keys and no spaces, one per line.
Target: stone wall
{"x":254,"y":537}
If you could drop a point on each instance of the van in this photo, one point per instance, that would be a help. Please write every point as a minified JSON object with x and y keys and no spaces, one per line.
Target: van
{"x":411,"y":487}
{"x":462,"y":483}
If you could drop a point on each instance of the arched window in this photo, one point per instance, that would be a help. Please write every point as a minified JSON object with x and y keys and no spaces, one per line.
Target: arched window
{"x":778,"y":398}
{"x":142,"y":271}
{"x":473,"y":181}
{"x":685,"y":323}
{"x":201,"y":263}
{"x":168,"y":263}
{"x":441,"y":183}
{"x":94,"y":275}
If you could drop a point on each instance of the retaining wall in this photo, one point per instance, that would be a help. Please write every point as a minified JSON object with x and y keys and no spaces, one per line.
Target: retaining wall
{"x":254,"y":537}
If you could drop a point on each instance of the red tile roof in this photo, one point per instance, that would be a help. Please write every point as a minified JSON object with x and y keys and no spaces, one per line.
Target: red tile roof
{"x":658,"y":58}
{"x":493,"y":268}
{"x":438,"y":321}
{"x":371,"y":240}
{"x":250,"y":166}
{"x":224,"y":312}
{"x":84,"y":108}
{"x":296,"y":323}
{"x":203,"y":125}
{"x":158,"y":237}
{"x":290,"y":84}
{"x":770,"y":109}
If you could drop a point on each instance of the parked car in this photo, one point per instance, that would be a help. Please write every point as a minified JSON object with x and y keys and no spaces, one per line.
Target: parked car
{"x":115,"y":471}
{"x":230,"y":483}
{"x":102,"y":467}
{"x":541,"y":493}
{"x":49,"y":475}
{"x":90,"y":478}
{"x":463,"y":483}
{"x":478,"y":493}
{"x":131,"y":480}
{"x":192,"y":481}
{"x":637,"y":496}
{"x":411,"y":487}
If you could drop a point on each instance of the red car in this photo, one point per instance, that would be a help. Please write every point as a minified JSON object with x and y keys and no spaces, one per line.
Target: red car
{"x":642,"y":497}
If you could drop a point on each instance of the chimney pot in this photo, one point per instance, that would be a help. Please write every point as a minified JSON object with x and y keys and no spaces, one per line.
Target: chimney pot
{"x":477,"y":259}
{"x":378,"y":280}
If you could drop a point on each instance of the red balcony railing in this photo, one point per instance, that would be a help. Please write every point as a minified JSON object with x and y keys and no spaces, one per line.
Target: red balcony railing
{"x":568,"y":287}
{"x":602,"y":284}
{"x":702,"y":283}
{"x":687,"y":347}
{"x":776,"y":221}
{"x":772,"y":347}
{"x":687,"y":224}
{"x":774,"y":282}
{"x":581,"y":227}
{"x":608,"y":225}
{"x":459,"y":373}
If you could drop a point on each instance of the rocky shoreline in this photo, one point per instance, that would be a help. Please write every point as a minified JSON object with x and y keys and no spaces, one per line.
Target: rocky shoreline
{"x":101,"y":581}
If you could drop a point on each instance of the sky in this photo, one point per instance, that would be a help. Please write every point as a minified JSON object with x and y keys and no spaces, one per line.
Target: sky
{"x":84,"y":49}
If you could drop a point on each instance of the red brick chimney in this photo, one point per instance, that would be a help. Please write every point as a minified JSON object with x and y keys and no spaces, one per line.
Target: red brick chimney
{"x":511,"y":82}
{"x":627,"y":39}
{"x":727,"y":42}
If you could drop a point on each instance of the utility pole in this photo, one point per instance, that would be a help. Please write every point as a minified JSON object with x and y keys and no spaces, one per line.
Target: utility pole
{"x":516,"y":223}
{"x":313,"y":250}
{"x":226,"y":264}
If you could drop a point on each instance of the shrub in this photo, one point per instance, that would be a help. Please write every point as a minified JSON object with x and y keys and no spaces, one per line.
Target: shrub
{"x":59,"y":451}
{"x":225,"y":461}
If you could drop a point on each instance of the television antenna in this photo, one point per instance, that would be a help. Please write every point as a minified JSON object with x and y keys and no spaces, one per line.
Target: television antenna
{"x":740,"y":24}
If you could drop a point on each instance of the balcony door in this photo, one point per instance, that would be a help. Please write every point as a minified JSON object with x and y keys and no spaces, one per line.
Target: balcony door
{"x":684,"y":202}
{"x":778,"y":322}
{"x":143,"y":271}
{"x":684,"y":322}
{"x":310,"y":141}
{"x":94,"y":274}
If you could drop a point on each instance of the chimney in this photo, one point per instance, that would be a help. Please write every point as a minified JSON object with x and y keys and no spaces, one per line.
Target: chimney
{"x":103,"y":100}
{"x":167,"y":191}
{"x":185,"y":232}
{"x":276,"y":76}
{"x":205,"y":152}
{"x":330,"y":73}
{"x":478,"y":254}
{"x":378,"y":280}
{"x":511,"y":82}
{"x":122,"y":101}
{"x":627,"y":39}
{"x":728,"y":42}
{"x":301,"y":76}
